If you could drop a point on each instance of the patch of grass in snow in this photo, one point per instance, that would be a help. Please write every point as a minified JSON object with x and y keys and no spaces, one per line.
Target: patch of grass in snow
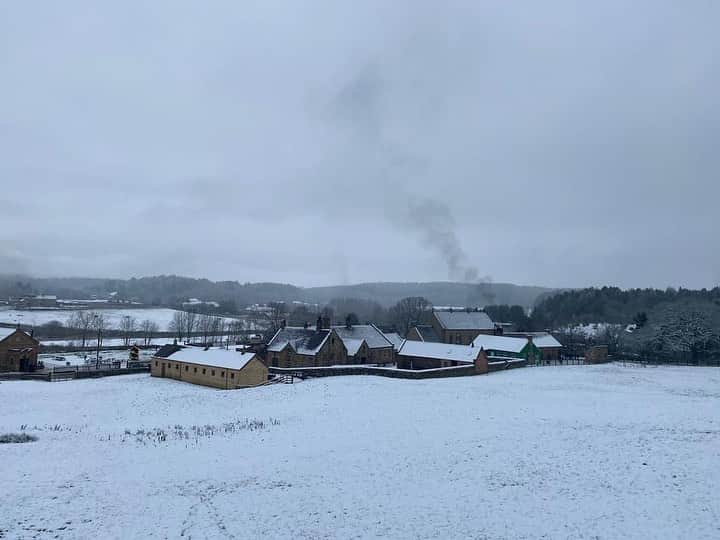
{"x":11,"y":438}
{"x":183,"y":433}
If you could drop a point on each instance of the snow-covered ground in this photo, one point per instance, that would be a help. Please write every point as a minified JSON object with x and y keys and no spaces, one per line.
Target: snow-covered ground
{"x":107,"y":342}
{"x":89,"y":357}
{"x":37,"y":317}
{"x":558,"y":452}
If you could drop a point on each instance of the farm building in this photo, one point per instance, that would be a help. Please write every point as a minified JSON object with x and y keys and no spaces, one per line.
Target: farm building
{"x":459,"y":327}
{"x":306,"y":347}
{"x":18,"y":350}
{"x":219,"y":368}
{"x":508,"y":347}
{"x":377,"y":348}
{"x":548,"y":346}
{"x":426,"y":355}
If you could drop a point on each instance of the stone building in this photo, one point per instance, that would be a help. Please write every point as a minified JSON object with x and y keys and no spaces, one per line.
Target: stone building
{"x":18,"y":350}
{"x":458,"y":327}
{"x":377,"y":348}
{"x":216,"y":367}
{"x":294,"y":346}
{"x":427,"y":355}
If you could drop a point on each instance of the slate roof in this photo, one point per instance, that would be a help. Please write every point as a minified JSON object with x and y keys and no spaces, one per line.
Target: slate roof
{"x":222,"y":358}
{"x":372,"y":335}
{"x":463,"y":320}
{"x":306,"y":341}
{"x":167,"y":350}
{"x":500,"y":343}
{"x":394,"y":338}
{"x":353,"y":345}
{"x":439,"y":351}
{"x":427,"y":333}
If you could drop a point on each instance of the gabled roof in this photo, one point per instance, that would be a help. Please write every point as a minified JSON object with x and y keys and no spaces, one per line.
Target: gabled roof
{"x":439,"y":351}
{"x":307,"y":341}
{"x":500,"y":343}
{"x":222,"y":358}
{"x":546,"y":341}
{"x":369,"y":332}
{"x":353,"y":345}
{"x":464,"y":320}
{"x":427,"y":333}
{"x":7,"y":332}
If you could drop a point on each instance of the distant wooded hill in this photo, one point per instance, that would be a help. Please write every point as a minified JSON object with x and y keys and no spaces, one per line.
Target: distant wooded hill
{"x":614,"y":305}
{"x":172,"y":290}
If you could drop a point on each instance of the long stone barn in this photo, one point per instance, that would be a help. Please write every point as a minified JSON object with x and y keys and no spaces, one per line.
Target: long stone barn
{"x":427,"y":355}
{"x":216,"y":367}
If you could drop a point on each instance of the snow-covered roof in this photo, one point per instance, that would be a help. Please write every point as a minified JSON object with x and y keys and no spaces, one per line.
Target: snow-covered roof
{"x":439,"y":351}
{"x":222,"y":358}
{"x":5,"y":332}
{"x":303,"y":340}
{"x":369,"y":332}
{"x":546,"y":341}
{"x":394,"y":338}
{"x":500,"y":343}
{"x":353,"y":345}
{"x":427,"y":333}
{"x":464,"y":320}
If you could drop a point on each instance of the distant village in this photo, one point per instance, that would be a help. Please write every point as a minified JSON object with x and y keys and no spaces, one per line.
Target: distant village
{"x":449,"y":342}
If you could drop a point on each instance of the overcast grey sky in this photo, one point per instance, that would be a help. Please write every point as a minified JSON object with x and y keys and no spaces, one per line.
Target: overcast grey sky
{"x":553,"y":143}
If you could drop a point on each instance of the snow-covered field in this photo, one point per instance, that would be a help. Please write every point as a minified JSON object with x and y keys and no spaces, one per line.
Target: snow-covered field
{"x":162,"y":316}
{"x":558,"y":452}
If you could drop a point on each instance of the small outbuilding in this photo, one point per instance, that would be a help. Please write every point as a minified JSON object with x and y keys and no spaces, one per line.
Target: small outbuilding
{"x":508,"y":347}
{"x":18,"y":350}
{"x":216,"y":367}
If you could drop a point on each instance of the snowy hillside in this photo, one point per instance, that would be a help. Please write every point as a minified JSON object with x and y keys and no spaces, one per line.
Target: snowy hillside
{"x":568,"y":452}
{"x":162,"y":316}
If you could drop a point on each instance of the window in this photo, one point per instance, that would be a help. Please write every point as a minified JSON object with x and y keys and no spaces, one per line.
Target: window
{"x":232,"y":375}
{"x":156,"y":363}
{"x":222,"y":373}
{"x":177,"y":366}
{"x":194,"y":370}
{"x":213,"y":373}
{"x":187,"y":368}
{"x":203,"y":371}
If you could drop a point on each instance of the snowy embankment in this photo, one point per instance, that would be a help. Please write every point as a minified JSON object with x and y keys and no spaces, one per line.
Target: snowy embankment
{"x":555,"y":452}
{"x":37,"y":317}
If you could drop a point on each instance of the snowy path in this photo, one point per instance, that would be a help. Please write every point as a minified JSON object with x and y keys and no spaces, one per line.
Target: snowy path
{"x":556,"y":452}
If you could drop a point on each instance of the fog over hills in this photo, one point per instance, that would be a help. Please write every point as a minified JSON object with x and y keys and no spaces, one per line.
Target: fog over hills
{"x":170,"y":290}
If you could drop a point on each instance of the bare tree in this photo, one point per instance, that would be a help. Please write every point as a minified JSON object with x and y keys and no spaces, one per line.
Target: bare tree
{"x":128,"y":325}
{"x":191,"y":323}
{"x":204,"y":326}
{"x":149,"y":329}
{"x":177,"y":325}
{"x":99,"y":325}
{"x":274,"y":318}
{"x":409,"y":312}
{"x":235,"y":328}
{"x":82,"y":321}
